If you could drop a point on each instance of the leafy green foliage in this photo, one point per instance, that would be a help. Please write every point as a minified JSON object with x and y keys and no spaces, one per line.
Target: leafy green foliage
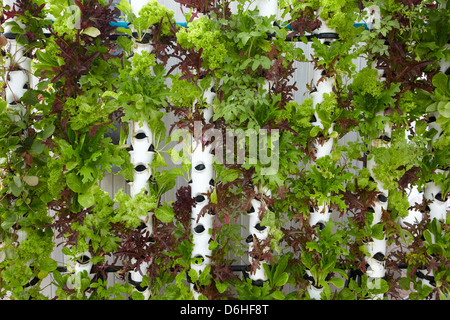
{"x":54,"y":148}
{"x":156,"y":13}
{"x":438,"y":102}
{"x":201,"y":34}
{"x":320,"y":258}
{"x":131,"y":209}
{"x":325,"y":180}
{"x":370,"y":99}
{"x":364,"y":290}
{"x":150,"y":15}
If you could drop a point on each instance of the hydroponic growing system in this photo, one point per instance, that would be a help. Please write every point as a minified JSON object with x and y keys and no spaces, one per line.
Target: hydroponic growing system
{"x":284,"y":150}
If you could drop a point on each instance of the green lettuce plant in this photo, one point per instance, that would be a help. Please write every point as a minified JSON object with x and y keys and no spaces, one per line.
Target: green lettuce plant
{"x":151,"y":14}
{"x":320,"y":258}
{"x":438,"y":102}
{"x":203,"y":34}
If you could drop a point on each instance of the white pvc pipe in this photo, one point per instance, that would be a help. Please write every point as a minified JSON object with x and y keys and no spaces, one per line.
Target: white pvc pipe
{"x":373,"y":17}
{"x":141,"y":174}
{"x":321,"y":214}
{"x":17,"y":85}
{"x":258,"y":232}
{"x":83,"y":263}
{"x":323,"y":27}
{"x":141,"y":140}
{"x":414,"y":216}
{"x":202,"y":182}
{"x":377,"y":248}
{"x":325,"y":148}
{"x":202,"y":177}
{"x":18,"y":59}
{"x":136,"y":5}
{"x":314,"y":292}
{"x":433,"y":192}
{"x":438,"y":202}
{"x":438,"y":205}
{"x":17,"y":70}
{"x":141,"y":155}
{"x":266,"y":7}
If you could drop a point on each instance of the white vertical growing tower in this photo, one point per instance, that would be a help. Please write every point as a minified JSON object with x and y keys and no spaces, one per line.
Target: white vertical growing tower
{"x":17,"y":66}
{"x":322,"y":85}
{"x":202,"y":183}
{"x":141,"y":152}
{"x":258,"y":232}
{"x":376,"y":248}
{"x":17,"y":80}
{"x":322,"y":214}
{"x":433,"y":193}
{"x":438,"y":202}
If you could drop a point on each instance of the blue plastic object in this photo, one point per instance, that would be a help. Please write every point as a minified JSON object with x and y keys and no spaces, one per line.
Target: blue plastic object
{"x":124,"y":24}
{"x":120,"y":24}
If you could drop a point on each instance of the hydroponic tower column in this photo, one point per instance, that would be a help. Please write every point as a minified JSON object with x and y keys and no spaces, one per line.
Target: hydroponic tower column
{"x":258,"y":232}
{"x":201,"y":184}
{"x":141,"y":152}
